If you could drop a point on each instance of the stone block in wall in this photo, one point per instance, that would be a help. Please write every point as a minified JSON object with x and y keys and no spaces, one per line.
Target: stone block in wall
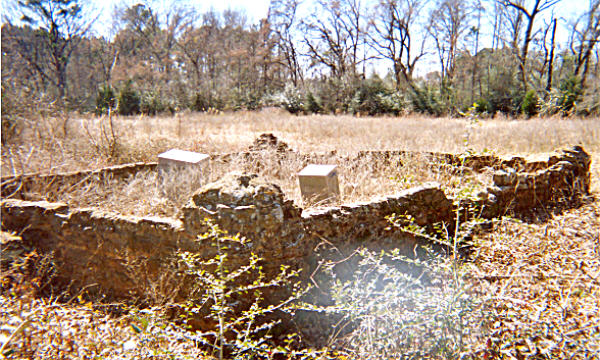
{"x":354,"y":224}
{"x":319,"y":183}
{"x":90,"y":247}
{"x":504,"y":177}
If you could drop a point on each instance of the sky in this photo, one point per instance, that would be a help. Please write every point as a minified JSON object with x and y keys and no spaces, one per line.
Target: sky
{"x":254,"y":9}
{"x":258,"y":9}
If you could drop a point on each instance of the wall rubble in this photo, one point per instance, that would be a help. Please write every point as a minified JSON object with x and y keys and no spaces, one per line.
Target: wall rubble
{"x":564,"y":180}
{"x":94,"y":247}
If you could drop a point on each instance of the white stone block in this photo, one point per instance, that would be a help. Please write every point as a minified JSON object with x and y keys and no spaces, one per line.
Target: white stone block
{"x":319,"y":183}
{"x":181,"y":159}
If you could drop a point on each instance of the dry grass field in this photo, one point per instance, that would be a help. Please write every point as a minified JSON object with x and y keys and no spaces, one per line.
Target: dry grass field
{"x":42,"y":145}
{"x":93,"y":143}
{"x":539,"y":284}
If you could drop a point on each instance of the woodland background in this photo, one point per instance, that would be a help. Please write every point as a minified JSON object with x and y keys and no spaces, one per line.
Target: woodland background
{"x":360,"y":57}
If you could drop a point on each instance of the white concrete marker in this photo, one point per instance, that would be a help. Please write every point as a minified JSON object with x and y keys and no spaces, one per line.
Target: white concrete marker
{"x":180,"y":158}
{"x":319,"y":183}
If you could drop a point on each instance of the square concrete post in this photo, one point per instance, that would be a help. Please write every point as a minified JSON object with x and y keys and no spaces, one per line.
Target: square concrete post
{"x":319,"y":183}
{"x":180,"y":159}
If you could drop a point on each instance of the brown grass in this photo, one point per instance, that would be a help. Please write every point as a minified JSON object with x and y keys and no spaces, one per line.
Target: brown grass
{"x":82,"y":330}
{"x":43,"y":148}
{"x":88,"y":144}
{"x":542,"y":281}
{"x":163,"y":194}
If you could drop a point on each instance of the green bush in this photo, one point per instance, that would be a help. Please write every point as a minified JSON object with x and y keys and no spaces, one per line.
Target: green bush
{"x":503,"y":92}
{"x":530,"y":105}
{"x":365,"y":99}
{"x":570,"y":93}
{"x":312,"y":104}
{"x":482,"y":106}
{"x":206,"y":101}
{"x":426,"y":100}
{"x":372,"y":97}
{"x":152,"y":103}
{"x":199,"y":102}
{"x":336,"y":94}
{"x":504,"y":103}
{"x":291,"y":99}
{"x":242,"y":99}
{"x":393,"y":103}
{"x":251,"y":100}
{"x":128,"y":101}
{"x":106,"y":100}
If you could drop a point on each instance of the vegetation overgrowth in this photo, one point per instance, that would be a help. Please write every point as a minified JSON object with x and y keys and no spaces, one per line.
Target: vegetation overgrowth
{"x":173,"y":77}
{"x":357,"y":57}
{"x":527,"y":291}
{"x":97,"y":142}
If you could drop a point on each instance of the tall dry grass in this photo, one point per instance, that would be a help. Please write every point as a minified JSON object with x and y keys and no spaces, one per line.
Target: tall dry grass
{"x":89,"y":143}
{"x":41,"y":148}
{"x":151,"y":192}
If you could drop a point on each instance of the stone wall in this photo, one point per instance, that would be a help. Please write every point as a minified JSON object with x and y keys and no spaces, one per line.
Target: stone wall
{"x":91,"y":248}
{"x":562,"y":182}
{"x":95,"y":249}
{"x":100,"y":250}
{"x":14,"y":185}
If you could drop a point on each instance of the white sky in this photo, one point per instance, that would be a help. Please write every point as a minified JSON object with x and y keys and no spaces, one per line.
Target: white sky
{"x":257,"y":9}
{"x":254,"y":9}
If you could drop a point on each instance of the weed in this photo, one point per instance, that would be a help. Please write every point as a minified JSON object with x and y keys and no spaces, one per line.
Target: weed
{"x":232,"y":296}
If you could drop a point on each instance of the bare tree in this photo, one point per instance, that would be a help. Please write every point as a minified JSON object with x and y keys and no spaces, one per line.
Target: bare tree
{"x":282,"y":20}
{"x":394,"y":27}
{"x":448,"y":23}
{"x":550,"y":30}
{"x":64,"y":24}
{"x":497,"y":25}
{"x":335,"y":36}
{"x":475,"y":32}
{"x":107,"y":55}
{"x":537,"y":7}
{"x":193,"y":46}
{"x":584,"y":38}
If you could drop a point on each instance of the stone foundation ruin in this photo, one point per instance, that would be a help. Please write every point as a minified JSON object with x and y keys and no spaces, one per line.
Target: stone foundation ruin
{"x":94,"y":249}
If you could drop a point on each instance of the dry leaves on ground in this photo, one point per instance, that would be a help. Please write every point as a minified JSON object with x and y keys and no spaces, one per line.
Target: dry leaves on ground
{"x":543,"y":286}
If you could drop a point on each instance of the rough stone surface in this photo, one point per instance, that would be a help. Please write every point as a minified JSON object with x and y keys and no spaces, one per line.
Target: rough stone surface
{"x":366,"y":223}
{"x":564,"y":179}
{"x":91,"y":248}
{"x":269,"y":141}
{"x":247,"y":205}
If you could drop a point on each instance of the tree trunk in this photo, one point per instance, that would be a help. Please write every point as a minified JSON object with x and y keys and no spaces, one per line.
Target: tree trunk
{"x":551,"y":63}
{"x":525,"y":50}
